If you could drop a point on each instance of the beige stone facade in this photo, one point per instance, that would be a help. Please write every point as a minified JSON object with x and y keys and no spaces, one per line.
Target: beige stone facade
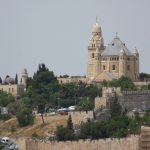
{"x":111,"y":62}
{"x":63,"y":80}
{"x":9,"y":85}
{"x":79,"y":117}
{"x":14,"y":89}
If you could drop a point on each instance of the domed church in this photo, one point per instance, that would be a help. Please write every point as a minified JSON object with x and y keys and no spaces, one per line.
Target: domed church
{"x":111,"y":62}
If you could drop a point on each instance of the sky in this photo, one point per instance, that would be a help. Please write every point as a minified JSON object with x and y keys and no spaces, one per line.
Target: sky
{"x":57,"y":32}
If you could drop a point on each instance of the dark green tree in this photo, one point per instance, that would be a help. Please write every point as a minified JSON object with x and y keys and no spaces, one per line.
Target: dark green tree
{"x":25,"y":117}
{"x":64,"y":134}
{"x":124,"y":82}
{"x":85,"y":104}
{"x":69,"y":123}
{"x":5,"y":99}
{"x":115,"y":107}
{"x":16,"y":79}
{"x":0,"y":80}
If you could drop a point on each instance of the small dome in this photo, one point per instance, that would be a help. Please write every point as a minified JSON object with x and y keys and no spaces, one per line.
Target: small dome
{"x":96,"y":28}
{"x":9,"y":80}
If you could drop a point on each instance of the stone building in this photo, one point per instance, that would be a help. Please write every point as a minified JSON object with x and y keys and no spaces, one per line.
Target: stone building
{"x":129,"y":100}
{"x":9,"y":84}
{"x":111,"y":62}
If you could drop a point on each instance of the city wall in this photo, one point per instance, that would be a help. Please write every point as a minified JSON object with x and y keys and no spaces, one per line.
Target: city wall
{"x":130,"y":143}
{"x":79,"y":117}
{"x":135,"y":99}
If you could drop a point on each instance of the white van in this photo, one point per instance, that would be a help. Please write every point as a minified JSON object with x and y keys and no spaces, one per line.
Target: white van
{"x":5,"y":140}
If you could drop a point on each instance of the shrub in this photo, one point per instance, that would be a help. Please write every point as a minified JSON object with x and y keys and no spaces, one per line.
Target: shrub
{"x":64,"y":134}
{"x":5,"y":117}
{"x":25,"y":117}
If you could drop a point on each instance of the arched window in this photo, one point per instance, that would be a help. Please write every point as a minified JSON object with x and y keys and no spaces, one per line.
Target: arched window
{"x":113,"y":67}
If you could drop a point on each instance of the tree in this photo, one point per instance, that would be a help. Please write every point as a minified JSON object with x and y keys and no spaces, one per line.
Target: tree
{"x":16,"y":79}
{"x":85,"y":104}
{"x":115,"y":106}
{"x":15,"y":107}
{"x":143,"y":76}
{"x":0,"y":80}
{"x":5,"y":99}
{"x":69,"y":123}
{"x":124,"y":82}
{"x":64,"y":134}
{"x":25,"y":117}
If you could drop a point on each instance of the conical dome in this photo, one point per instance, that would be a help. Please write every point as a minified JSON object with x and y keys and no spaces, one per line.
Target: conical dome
{"x":96,"y":28}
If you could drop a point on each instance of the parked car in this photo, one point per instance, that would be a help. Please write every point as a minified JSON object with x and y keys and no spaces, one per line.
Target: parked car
{"x":5,"y":140}
{"x":13,"y":147}
{"x":51,"y":112}
{"x":71,"y":108}
{"x":62,"y":111}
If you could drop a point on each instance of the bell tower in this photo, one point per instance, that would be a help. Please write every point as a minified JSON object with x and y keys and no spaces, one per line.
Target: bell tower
{"x":24,"y":77}
{"x":95,"y":48}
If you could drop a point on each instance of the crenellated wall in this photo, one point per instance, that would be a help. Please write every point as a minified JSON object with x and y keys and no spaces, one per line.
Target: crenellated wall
{"x":130,"y":143}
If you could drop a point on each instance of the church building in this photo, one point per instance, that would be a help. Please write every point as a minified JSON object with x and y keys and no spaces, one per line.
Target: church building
{"x":112,"y":61}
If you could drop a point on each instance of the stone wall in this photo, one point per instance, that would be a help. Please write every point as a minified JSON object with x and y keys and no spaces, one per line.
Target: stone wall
{"x":128,"y":99}
{"x":130,"y":143}
{"x":144,"y":140}
{"x":79,"y":117}
{"x":135,"y":99}
{"x":100,"y":102}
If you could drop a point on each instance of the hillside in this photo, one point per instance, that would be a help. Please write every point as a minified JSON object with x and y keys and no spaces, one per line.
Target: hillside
{"x":10,"y":128}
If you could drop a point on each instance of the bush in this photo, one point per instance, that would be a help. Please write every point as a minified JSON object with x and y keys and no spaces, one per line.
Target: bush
{"x":5,"y":117}
{"x":64,"y":134}
{"x":25,"y":117}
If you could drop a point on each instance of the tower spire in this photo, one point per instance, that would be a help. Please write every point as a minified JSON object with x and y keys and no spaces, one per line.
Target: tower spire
{"x":96,"y":19}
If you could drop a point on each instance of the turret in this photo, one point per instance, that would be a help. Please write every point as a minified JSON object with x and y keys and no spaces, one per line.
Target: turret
{"x":136,"y":63}
{"x":122,"y":60}
{"x":24,"y":77}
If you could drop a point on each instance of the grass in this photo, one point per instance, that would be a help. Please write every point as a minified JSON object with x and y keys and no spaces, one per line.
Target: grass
{"x":10,"y":128}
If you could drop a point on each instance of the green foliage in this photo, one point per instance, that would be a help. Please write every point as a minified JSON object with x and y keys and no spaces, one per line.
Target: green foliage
{"x":5,"y":99}
{"x":69,"y":123}
{"x":45,"y":90}
{"x":25,"y":117}
{"x":1,"y":146}
{"x":85,"y":104}
{"x":143,"y":76}
{"x":5,"y":117}
{"x":0,"y":80}
{"x":16,"y":79}
{"x":115,"y":107}
{"x":124,"y":82}
{"x":42,"y":78}
{"x":15,"y":107}
{"x":93,"y":130}
{"x":64,"y":134}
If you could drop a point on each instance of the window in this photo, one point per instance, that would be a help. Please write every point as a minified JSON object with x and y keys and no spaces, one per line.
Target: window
{"x":128,"y":67}
{"x":112,"y":44}
{"x":103,"y":67}
{"x":92,"y":55}
{"x":113,"y":67}
{"x":12,"y":89}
